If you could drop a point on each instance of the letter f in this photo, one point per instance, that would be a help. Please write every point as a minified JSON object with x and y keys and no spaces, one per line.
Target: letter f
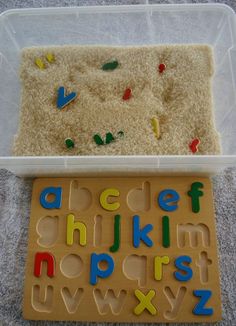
{"x":195,"y":193}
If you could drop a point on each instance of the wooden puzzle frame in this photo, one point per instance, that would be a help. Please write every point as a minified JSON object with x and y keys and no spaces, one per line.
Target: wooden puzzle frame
{"x":164,"y":273}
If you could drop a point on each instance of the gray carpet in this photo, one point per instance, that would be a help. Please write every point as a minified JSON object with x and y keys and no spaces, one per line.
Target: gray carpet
{"x":15,"y":194}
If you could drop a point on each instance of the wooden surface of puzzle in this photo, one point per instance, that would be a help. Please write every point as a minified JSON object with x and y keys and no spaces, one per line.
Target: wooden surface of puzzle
{"x":122,"y":250}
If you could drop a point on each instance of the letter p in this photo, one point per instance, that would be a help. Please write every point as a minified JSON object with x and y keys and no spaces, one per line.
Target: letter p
{"x":96,"y":271}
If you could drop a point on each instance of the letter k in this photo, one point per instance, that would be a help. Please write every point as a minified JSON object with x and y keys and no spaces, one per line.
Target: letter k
{"x":141,"y":234}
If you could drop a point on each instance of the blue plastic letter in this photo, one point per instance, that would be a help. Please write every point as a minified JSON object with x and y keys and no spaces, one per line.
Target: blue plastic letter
{"x":188,"y":271}
{"x":56,"y":203}
{"x":200,"y":308}
{"x":95,"y":271}
{"x":164,"y":202}
{"x":139,"y":235}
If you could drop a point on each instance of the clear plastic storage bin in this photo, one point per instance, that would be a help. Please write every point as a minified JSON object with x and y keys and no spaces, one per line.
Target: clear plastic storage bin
{"x":212,"y":24}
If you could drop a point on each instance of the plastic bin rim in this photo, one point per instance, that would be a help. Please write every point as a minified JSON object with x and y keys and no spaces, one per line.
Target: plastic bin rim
{"x":95,"y":158}
{"x":117,"y":8}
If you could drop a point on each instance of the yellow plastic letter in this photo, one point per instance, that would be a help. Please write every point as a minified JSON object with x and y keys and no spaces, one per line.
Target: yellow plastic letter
{"x":104,"y":196}
{"x":71,"y":227}
{"x":145,"y":302}
{"x":158,"y":261}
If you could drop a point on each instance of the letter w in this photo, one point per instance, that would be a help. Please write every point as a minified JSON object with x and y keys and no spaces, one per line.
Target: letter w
{"x":115,"y":302}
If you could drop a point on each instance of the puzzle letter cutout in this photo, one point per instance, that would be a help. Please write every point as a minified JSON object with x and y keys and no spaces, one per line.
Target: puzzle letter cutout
{"x":122,"y":250}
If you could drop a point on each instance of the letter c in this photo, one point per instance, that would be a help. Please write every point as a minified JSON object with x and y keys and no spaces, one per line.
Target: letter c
{"x":104,"y":196}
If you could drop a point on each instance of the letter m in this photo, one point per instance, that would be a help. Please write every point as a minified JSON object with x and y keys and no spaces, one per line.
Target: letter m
{"x":195,"y":233}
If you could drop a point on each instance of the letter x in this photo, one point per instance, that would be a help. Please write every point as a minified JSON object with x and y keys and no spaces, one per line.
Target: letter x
{"x":145,"y":302}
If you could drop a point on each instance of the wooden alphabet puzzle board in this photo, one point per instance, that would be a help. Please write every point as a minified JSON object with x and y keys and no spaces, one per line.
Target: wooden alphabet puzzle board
{"x":122,"y":250}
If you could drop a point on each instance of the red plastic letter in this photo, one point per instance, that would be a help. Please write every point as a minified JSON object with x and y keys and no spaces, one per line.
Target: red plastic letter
{"x":39,"y":258}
